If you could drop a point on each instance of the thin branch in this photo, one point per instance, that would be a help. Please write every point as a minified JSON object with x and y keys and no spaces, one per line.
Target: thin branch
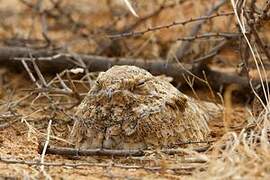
{"x":111,"y":152}
{"x":226,"y":35}
{"x":183,"y":49}
{"x":90,"y":152}
{"x":77,"y":165}
{"x":167,"y":26}
{"x":56,"y":62}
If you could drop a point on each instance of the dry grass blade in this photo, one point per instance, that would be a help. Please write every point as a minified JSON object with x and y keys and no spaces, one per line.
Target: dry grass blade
{"x":44,"y":151}
{"x":53,"y":52}
{"x":128,"y":4}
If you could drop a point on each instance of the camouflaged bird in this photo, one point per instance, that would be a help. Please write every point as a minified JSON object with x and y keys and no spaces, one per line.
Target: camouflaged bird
{"x":128,"y":108}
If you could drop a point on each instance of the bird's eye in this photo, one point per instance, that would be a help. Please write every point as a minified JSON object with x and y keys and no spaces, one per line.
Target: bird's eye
{"x":141,"y":82}
{"x":98,"y":84}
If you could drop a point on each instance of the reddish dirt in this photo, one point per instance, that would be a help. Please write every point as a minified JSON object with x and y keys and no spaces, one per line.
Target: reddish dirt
{"x":19,"y":141}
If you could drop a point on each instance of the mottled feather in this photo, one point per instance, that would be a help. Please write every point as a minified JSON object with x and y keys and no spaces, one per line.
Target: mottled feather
{"x":128,"y":108}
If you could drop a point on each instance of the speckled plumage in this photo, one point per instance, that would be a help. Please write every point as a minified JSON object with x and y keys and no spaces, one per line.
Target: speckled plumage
{"x":128,"y":108}
{"x":260,"y":102}
{"x":257,"y":107}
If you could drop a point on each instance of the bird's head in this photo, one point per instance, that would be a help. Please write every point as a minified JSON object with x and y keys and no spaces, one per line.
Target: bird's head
{"x":125,"y":80}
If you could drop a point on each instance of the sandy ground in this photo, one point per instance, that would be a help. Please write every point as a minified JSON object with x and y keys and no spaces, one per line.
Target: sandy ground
{"x":19,"y":141}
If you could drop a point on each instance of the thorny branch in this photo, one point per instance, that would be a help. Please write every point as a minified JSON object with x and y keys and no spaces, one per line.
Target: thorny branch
{"x":167,"y":26}
{"x":180,"y":53}
{"x":60,"y":90}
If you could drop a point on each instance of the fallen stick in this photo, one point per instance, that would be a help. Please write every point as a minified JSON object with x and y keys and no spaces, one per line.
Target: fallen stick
{"x":185,"y":167}
{"x":65,"y":151}
{"x":52,"y":61}
{"x":55,"y":62}
{"x":88,"y":152}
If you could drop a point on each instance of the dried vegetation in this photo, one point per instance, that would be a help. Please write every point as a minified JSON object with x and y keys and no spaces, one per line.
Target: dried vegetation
{"x":52,"y":50}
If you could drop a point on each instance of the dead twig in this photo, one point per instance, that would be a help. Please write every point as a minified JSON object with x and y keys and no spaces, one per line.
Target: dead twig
{"x":155,"y":13}
{"x":55,"y":62}
{"x":108,"y":152}
{"x":167,"y":26}
{"x":183,"y":49}
{"x":103,"y":165}
{"x":226,"y":35}
{"x":90,"y":152}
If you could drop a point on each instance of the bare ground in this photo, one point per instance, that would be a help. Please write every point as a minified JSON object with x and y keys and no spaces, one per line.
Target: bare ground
{"x":239,"y":146}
